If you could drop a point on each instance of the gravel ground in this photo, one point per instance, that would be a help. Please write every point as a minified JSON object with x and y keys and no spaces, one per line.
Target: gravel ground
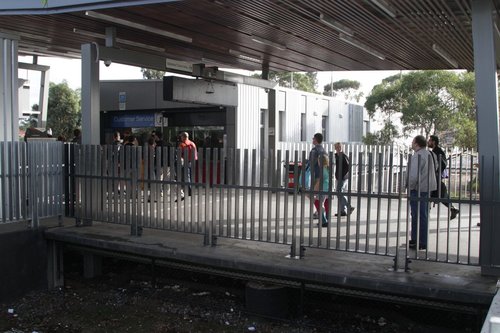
{"x":124,"y":300}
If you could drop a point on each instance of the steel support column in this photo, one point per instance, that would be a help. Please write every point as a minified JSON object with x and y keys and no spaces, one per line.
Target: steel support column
{"x":44,"y":97}
{"x":9,"y":108}
{"x":488,"y":133}
{"x":90,"y":95}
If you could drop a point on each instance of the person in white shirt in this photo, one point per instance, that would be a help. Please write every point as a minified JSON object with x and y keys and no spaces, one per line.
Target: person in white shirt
{"x":421,"y":181}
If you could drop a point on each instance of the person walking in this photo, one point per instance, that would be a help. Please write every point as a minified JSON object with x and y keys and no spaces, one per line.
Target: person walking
{"x":421,"y":181}
{"x":117,"y":141}
{"x":315,"y":155}
{"x":321,"y":184}
{"x":188,"y":153}
{"x":442,"y":190}
{"x":342,"y":168}
{"x":77,"y":136}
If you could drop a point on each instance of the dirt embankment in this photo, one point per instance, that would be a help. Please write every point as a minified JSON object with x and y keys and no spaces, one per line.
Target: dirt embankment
{"x":124,"y":300}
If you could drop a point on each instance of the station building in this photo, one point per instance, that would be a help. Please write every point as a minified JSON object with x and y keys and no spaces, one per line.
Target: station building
{"x":226,"y":115}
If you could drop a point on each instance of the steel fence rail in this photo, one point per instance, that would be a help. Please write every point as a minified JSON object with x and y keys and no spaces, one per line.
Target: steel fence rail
{"x":31,"y":181}
{"x":234,"y":193}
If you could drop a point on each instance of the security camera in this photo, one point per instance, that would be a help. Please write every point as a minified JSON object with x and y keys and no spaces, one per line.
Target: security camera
{"x":107,"y":62}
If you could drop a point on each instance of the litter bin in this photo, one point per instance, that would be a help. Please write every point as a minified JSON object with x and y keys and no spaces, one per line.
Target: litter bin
{"x":291,"y":174}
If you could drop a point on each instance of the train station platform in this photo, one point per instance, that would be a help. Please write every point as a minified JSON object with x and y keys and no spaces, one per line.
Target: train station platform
{"x":355,"y":274}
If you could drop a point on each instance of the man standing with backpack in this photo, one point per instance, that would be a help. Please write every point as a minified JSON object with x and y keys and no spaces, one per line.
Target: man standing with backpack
{"x":442,"y":191}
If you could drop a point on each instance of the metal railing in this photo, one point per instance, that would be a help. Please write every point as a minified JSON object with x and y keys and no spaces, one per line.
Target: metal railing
{"x":461,"y":163}
{"x":255,"y":195}
{"x":31,"y":181}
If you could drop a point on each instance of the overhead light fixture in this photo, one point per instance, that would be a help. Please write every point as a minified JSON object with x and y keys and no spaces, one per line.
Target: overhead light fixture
{"x":138,"y":26}
{"x":119,"y":40}
{"x":246,"y":57}
{"x":335,"y":25}
{"x":25,"y":36}
{"x":388,"y":9}
{"x":139,"y":45}
{"x":210,"y":61}
{"x":268,"y":42}
{"x":445,"y":55}
{"x":361,"y":46}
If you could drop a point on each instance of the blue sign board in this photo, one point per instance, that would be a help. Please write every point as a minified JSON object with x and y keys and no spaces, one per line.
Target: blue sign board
{"x":133,"y":120}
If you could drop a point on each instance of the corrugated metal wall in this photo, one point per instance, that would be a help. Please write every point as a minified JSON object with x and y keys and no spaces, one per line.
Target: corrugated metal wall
{"x":344,"y":121}
{"x":339,"y":121}
{"x":248,"y":117}
{"x":355,"y":123}
{"x":9,"y":115}
{"x":293,"y":111}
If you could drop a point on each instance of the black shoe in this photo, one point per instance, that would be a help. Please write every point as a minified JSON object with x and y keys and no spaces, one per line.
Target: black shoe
{"x":324,"y":225}
{"x":341,"y":214}
{"x":412,"y":242}
{"x":454,"y":212}
{"x":182,"y":199}
{"x":351,"y":210}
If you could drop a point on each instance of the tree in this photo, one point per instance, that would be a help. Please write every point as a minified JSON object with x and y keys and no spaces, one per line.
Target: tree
{"x":464,"y":122}
{"x":427,"y":103}
{"x":431,"y":102}
{"x":152,"y":74}
{"x":384,"y":137}
{"x":300,"y":81}
{"x":63,"y":110}
{"x":385,"y":98}
{"x":349,"y":89}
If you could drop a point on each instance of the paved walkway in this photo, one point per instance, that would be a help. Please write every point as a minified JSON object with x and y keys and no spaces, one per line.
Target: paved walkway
{"x":377,"y":226}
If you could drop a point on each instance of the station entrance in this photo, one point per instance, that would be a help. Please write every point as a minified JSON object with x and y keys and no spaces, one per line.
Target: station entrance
{"x":205,"y":125}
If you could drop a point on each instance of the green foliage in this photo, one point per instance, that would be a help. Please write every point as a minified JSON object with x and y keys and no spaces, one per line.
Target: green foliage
{"x":464,"y":122}
{"x":426,"y":101}
{"x":152,"y":74}
{"x":301,"y":81}
{"x":384,"y":97}
{"x":429,"y":101}
{"x":64,"y":112}
{"x":384,"y":137}
{"x":346,"y":87}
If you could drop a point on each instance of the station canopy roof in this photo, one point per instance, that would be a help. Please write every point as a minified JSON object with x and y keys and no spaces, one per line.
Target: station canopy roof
{"x":280,"y":35}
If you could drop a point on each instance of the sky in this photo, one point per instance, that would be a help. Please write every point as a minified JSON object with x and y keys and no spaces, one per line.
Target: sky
{"x":70,"y":70}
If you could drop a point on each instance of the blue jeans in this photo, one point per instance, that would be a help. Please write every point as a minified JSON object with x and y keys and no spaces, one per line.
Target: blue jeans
{"x":423,"y":216}
{"x":344,"y":204}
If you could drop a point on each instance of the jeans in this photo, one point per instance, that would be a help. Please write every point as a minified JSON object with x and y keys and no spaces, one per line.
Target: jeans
{"x":344,"y":204}
{"x":423,"y":216}
{"x":187,"y":176}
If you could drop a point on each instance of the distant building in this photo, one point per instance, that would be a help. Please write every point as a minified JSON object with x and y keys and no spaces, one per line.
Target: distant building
{"x":241,"y":116}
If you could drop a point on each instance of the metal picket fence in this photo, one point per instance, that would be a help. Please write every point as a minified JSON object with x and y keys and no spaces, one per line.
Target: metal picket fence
{"x":255,"y":195}
{"x":31,"y":181}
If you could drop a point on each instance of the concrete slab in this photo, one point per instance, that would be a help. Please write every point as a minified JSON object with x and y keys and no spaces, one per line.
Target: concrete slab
{"x":431,"y":281}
